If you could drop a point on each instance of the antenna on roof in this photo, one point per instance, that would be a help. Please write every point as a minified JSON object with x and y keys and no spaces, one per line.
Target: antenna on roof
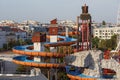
{"x":118,"y":16}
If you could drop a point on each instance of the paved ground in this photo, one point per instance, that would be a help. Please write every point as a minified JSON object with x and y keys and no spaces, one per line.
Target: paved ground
{"x":7,"y":55}
{"x":8,"y":52}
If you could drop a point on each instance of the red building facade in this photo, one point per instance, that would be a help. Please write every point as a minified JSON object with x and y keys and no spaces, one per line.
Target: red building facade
{"x":84,"y":22}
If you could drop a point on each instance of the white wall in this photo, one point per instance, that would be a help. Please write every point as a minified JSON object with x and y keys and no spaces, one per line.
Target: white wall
{"x":22,"y":35}
{"x":53,"y":38}
{"x":38,"y":46}
{"x":106,"y":32}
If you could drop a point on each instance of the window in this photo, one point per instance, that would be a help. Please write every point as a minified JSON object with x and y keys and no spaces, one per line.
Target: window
{"x":118,"y":30}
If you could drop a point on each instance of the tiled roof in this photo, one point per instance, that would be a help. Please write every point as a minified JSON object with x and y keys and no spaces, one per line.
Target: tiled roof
{"x":6,"y":28}
{"x":17,"y":30}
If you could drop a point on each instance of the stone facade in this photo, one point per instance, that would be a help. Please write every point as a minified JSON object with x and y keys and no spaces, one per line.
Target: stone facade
{"x":88,"y":59}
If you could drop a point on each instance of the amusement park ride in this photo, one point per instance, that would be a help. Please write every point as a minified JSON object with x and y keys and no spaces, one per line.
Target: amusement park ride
{"x":34,"y":55}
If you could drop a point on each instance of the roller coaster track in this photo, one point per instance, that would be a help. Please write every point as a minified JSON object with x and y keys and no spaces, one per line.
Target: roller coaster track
{"x":23,"y":50}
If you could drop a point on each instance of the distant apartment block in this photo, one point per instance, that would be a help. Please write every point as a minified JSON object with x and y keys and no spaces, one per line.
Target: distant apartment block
{"x":19,"y":34}
{"x":105,"y":32}
{"x":9,"y":23}
{"x":27,"y":28}
{"x":8,"y":34}
{"x":30,"y":22}
{"x":67,"y":23}
{"x":2,"y":38}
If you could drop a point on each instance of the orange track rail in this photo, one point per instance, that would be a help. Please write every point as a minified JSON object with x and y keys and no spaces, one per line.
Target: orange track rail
{"x":43,"y":54}
{"x":47,"y":54}
{"x":79,"y":78}
{"x":60,"y":44}
{"x":43,"y":65}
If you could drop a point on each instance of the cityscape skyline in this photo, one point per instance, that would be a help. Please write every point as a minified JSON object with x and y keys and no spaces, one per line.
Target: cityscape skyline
{"x":43,"y":11}
{"x":80,"y":44}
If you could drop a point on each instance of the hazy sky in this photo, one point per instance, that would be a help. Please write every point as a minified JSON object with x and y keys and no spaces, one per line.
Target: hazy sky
{"x":45,"y":10}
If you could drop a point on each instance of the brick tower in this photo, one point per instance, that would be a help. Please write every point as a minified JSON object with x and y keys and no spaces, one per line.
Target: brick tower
{"x":84,"y":22}
{"x":53,"y":32}
{"x":38,"y":40}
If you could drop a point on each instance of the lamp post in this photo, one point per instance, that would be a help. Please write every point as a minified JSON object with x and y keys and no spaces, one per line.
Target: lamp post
{"x":78,"y":26}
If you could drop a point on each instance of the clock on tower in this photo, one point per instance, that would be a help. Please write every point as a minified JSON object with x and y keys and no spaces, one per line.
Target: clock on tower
{"x":53,"y":29}
{"x":39,"y":37}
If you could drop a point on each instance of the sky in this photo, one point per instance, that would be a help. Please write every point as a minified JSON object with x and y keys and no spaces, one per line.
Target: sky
{"x":46,"y":10}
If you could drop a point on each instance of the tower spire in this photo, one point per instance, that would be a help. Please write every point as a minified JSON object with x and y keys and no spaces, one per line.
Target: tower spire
{"x":85,"y":15}
{"x":85,"y":26}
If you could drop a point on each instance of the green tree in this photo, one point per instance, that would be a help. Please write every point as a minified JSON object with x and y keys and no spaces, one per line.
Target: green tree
{"x":21,"y":41}
{"x":62,"y":75}
{"x":102,"y":44}
{"x":23,"y":69}
{"x":11,"y":44}
{"x":114,"y":41}
{"x":103,"y":22}
{"x":109,"y":44}
{"x":47,"y":49}
{"x":5,"y":46}
{"x":28,"y":41}
{"x":95,"y":42}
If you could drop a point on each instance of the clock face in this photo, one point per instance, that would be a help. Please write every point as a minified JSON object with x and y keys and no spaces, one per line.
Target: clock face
{"x":53,"y":31}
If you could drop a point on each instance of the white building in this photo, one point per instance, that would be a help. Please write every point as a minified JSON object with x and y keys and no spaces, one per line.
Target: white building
{"x":9,"y":23}
{"x":67,"y":23}
{"x":27,"y":28}
{"x":2,"y":38}
{"x":8,"y":34}
{"x":106,"y":32}
{"x":19,"y":34}
{"x":31,"y":22}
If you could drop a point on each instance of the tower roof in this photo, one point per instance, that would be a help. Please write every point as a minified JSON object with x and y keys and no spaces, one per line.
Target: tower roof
{"x":39,"y":37}
{"x":85,"y":15}
{"x":54,"y":21}
{"x":85,"y":9}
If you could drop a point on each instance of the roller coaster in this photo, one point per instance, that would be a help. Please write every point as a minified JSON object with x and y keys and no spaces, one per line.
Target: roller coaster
{"x":34,"y":55}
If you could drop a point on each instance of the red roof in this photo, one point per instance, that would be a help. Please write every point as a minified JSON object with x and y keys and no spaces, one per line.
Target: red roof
{"x":39,"y":37}
{"x":54,"y":21}
{"x":17,"y":30}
